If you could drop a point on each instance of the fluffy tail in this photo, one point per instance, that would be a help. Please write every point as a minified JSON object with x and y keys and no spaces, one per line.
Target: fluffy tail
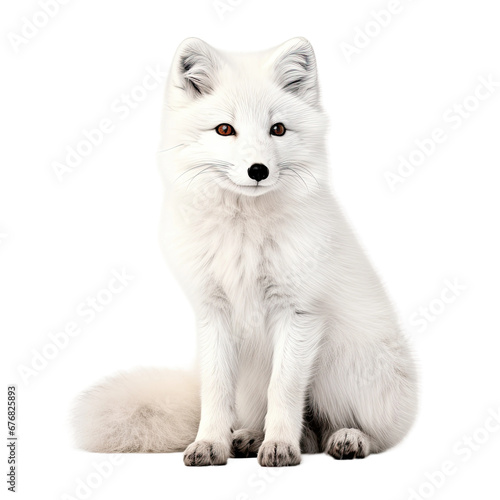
{"x":153,"y":410}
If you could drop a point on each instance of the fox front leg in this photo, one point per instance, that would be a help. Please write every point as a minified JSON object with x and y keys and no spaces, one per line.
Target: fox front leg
{"x":296,"y":341}
{"x":218,"y":365}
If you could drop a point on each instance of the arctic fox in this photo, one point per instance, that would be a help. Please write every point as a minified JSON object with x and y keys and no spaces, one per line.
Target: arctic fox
{"x":299,"y":347}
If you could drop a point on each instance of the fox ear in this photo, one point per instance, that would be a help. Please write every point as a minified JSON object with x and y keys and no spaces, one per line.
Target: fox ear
{"x":294,"y":67}
{"x":197,"y":64}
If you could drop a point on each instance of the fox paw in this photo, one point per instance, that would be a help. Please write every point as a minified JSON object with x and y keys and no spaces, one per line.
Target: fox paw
{"x":246,"y":443}
{"x":276,"y":454}
{"x":347,"y":444}
{"x":202,"y":453}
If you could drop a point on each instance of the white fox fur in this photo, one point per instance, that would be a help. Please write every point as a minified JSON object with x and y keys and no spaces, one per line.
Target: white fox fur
{"x":299,"y":346}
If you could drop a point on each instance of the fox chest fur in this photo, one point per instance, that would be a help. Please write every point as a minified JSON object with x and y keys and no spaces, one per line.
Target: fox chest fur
{"x":234,"y":259}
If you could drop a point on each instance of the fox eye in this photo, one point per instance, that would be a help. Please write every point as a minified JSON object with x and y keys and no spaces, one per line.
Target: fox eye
{"x":278,"y":129}
{"x":225,"y":129}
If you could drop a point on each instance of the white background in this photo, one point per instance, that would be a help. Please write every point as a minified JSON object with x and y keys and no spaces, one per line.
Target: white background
{"x":60,"y":241}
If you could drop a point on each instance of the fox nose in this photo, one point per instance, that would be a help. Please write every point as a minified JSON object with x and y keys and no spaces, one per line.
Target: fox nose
{"x":258,"y":172}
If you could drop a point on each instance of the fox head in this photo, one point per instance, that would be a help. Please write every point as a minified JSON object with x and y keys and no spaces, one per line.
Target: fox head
{"x":247,"y":124}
